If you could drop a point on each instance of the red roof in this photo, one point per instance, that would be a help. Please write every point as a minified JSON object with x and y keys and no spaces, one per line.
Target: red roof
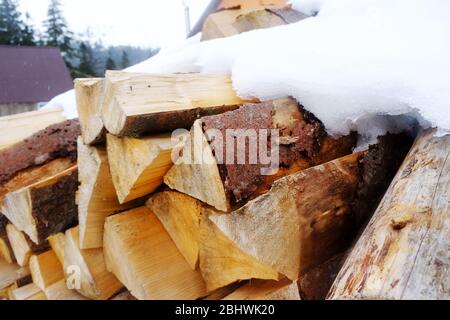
{"x":32,"y":74}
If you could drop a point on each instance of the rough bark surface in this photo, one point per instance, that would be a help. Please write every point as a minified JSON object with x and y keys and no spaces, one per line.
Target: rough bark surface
{"x":54,"y":207}
{"x":404,"y":252}
{"x":56,"y":141}
{"x":236,"y":167}
{"x":315,"y":284}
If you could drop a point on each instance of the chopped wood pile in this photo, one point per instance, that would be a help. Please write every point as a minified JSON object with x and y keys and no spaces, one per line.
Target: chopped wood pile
{"x":250,"y":200}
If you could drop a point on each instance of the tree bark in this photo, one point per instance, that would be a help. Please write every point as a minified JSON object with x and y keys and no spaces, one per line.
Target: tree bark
{"x":212,"y":171}
{"x":56,"y":141}
{"x":404,"y":251}
{"x":44,"y":208}
{"x":22,"y":246}
{"x":301,"y":222}
{"x":137,"y":104}
{"x":21,"y":126}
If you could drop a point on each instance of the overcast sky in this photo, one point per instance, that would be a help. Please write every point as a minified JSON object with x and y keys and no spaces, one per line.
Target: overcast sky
{"x":116,"y":22}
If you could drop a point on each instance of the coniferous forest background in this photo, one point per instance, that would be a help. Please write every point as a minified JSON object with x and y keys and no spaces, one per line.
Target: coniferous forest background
{"x":83,"y":56}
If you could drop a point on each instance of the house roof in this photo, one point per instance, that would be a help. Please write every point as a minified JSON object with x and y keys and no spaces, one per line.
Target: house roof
{"x":32,"y":74}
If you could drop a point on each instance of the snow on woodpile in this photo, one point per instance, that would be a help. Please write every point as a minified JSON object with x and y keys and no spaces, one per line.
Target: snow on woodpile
{"x":372,"y":65}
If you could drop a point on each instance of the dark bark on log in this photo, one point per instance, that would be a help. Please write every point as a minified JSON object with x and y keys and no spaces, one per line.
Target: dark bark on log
{"x":3,"y":223}
{"x":56,"y":141}
{"x":54,"y":207}
{"x":46,"y":207}
{"x":315,"y":284}
{"x":302,"y":143}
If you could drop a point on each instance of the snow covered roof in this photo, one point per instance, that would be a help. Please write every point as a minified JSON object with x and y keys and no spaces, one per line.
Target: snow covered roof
{"x":32,"y":74}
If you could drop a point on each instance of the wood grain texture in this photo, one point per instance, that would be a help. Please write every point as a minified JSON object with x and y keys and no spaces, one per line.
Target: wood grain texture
{"x":223,"y":262}
{"x":28,"y":292}
{"x":301,"y":222}
{"x":95,"y":281}
{"x":180,"y":215}
{"x":23,"y":125}
{"x":46,"y":269}
{"x":138,"y":165}
{"x":22,"y":246}
{"x":135,"y":103}
{"x":10,"y":273}
{"x":212,"y":171}
{"x":404,"y":253}
{"x":144,"y":258}
{"x":97,"y":198}
{"x":45,"y":207}
{"x":89,"y":95}
{"x":201,"y":181}
{"x":59,"y":291}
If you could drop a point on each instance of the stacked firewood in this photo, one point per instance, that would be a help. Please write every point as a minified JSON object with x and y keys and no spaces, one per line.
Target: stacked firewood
{"x":116,"y":205}
{"x":172,"y":187}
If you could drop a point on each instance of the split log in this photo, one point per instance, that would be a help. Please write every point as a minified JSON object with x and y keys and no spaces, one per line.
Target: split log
{"x":95,"y":281}
{"x":97,"y":198}
{"x":58,"y":243}
{"x":222,"y":262}
{"x":404,"y":251}
{"x":46,"y":269}
{"x":139,"y":165}
{"x":212,"y":171}
{"x":89,"y":95}
{"x":135,"y":104}
{"x":59,"y":291}
{"x":220,"y":24}
{"x":33,"y":175}
{"x":227,"y":23}
{"x":23,"y":125}
{"x":10,"y":273}
{"x":28,"y":292}
{"x":304,"y":219}
{"x":44,"y":208}
{"x":266,"y":290}
{"x":56,"y":141}
{"x":180,"y":216}
{"x":157,"y":273}
{"x":267,"y":18}
{"x":198,"y":240}
{"x":22,"y":246}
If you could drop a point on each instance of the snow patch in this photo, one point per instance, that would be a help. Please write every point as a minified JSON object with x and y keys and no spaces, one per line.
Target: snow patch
{"x":368,"y":65}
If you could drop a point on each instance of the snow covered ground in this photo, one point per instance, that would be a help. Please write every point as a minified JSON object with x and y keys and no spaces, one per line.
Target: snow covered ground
{"x":370,"y":65}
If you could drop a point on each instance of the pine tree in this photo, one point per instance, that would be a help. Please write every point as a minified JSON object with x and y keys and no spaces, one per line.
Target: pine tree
{"x":28,"y":38}
{"x":57,"y":33}
{"x":13,"y":31}
{"x":110,"y":64}
{"x":86,"y":55}
{"x":125,"y":61}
